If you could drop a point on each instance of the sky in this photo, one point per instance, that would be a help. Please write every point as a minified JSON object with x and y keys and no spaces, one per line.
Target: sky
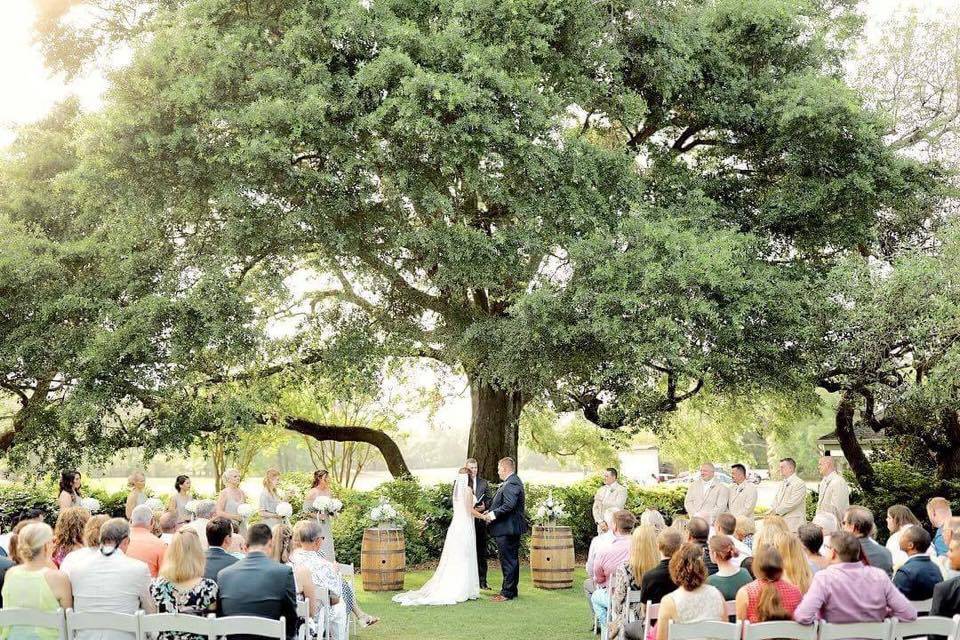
{"x":29,"y":91}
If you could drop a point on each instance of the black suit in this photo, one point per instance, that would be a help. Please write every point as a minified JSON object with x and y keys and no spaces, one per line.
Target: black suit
{"x":258,"y":586}
{"x":481,"y":495}
{"x":508,"y":525}
{"x":217,"y":559}
{"x":657,"y":583}
{"x":946,"y":598}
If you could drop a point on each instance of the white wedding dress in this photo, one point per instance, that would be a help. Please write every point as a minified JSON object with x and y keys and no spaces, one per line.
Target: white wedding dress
{"x":456,"y":578}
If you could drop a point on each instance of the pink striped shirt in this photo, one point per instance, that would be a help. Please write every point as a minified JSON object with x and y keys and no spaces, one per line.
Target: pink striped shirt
{"x":609,"y":559}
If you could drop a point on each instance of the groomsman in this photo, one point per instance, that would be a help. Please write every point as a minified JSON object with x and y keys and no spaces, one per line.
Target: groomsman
{"x":707,"y":497}
{"x":834,"y":494}
{"x":743,"y":493}
{"x":612,"y":495}
{"x":481,"y":497}
{"x":791,"y":500}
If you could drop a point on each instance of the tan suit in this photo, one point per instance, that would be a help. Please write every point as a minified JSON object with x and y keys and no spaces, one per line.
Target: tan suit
{"x":834,"y":496}
{"x":710,"y":500}
{"x":743,"y":499}
{"x":609,"y":496}
{"x":791,"y":502}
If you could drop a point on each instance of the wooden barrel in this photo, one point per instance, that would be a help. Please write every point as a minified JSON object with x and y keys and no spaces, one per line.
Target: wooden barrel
{"x":383,"y":559}
{"x":551,"y":557}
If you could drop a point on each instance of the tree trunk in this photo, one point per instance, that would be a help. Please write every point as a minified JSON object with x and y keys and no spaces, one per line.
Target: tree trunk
{"x":494,"y":426}
{"x":335,"y":433}
{"x":852,"y":451}
{"x":948,"y":458}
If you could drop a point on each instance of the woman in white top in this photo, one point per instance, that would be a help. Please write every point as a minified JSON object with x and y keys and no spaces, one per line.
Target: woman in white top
{"x":899,"y":519}
{"x":694,"y":600}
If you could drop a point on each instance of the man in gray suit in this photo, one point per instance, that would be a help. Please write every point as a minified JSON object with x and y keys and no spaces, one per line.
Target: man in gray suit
{"x":219,"y":531}
{"x":258,"y":586}
{"x":859,"y":522}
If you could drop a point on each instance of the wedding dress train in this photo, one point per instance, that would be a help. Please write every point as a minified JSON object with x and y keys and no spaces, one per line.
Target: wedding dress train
{"x":456,"y":578}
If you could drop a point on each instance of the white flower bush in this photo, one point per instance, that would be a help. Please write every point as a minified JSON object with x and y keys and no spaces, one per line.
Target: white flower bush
{"x":90,"y":504}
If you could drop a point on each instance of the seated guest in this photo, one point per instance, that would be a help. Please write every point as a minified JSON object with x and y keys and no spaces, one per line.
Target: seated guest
{"x":168,"y":526}
{"x":726,"y":524}
{"x":679,"y":525}
{"x":258,"y":586}
{"x":145,"y":546}
{"x":598,"y":542}
{"x":607,"y":562}
{"x":694,"y":600}
{"x":33,"y":584}
{"x":859,"y":522}
{"x":769,"y":597}
{"x":811,"y":537}
{"x":939,"y":512}
{"x":204,"y":513}
{"x":729,"y":576}
{"x":657,"y":582}
{"x":829,"y":525}
{"x":653,"y":518}
{"x":236,"y":545}
{"x":850,"y":591}
{"x":644,"y":556}
{"x":219,"y":531}
{"x":796,"y":569}
{"x":697,"y":532}
{"x":111,"y":581}
{"x":91,"y":545}
{"x":320,"y":573}
{"x":899,"y":519}
{"x":745,"y":530}
{"x":68,"y":532}
{"x":946,"y":595}
{"x":180,"y":587}
{"x":917,"y":577}
{"x":28,"y":516}
{"x":950,"y":531}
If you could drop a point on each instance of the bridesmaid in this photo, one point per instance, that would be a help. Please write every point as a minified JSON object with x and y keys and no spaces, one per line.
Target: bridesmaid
{"x":269,"y":499}
{"x":137,"y":483}
{"x":230,"y":499}
{"x":69,"y":490}
{"x":178,"y":503}
{"x":321,"y":487}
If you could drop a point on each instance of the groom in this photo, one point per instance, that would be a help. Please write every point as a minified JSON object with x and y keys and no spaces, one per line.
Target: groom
{"x":507,"y":523}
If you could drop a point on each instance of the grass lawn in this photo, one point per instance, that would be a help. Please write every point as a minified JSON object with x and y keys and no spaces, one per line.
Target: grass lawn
{"x":536,"y":614}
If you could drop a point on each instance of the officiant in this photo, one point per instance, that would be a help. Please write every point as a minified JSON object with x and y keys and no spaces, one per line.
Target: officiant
{"x":482,"y":498}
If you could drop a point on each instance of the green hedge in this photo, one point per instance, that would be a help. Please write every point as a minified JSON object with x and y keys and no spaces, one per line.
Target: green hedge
{"x":427,"y":510}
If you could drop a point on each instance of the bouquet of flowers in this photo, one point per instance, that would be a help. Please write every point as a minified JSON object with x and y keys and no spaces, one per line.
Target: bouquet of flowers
{"x":155,"y":504}
{"x":245,"y":511}
{"x":284,"y":510}
{"x":550,"y":511}
{"x":90,"y":504}
{"x":327,"y":505}
{"x":191,"y":507}
{"x":386,"y":516}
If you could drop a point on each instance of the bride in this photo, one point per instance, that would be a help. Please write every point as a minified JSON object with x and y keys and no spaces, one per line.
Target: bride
{"x":456,"y":578}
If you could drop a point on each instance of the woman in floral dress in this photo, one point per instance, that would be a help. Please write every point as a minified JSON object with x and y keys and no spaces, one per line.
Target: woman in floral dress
{"x":180,"y":586}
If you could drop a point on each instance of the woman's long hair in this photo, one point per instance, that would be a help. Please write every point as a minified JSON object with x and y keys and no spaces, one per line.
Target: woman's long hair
{"x":319,"y":475}
{"x":282,"y":543}
{"x":68,"y":532}
{"x":644,"y":554}
{"x":901,"y":515}
{"x":768,"y":567}
{"x":184,"y":560}
{"x":66,"y":481}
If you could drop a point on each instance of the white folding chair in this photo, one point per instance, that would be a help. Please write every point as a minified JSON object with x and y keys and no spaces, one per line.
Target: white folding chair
{"x":927,"y":626}
{"x":650,"y":616}
{"x":303,"y":612}
{"x":348,"y":572}
{"x":633,"y":597}
{"x":178,"y":622}
{"x":779,"y":629}
{"x":101,"y":621}
{"x":922,"y":606}
{"x":866,"y":630}
{"x":705,"y":629}
{"x":14,"y":617}
{"x":250,"y":625}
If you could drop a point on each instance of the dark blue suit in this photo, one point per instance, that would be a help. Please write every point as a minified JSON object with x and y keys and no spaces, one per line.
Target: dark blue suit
{"x":508,"y":525}
{"x":917,"y":577}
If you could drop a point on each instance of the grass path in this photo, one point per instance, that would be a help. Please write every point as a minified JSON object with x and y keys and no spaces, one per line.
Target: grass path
{"x":535,"y":615}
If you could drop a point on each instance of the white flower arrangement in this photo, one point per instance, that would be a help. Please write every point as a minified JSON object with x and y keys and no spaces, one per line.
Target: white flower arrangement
{"x":155,"y":504}
{"x":284,"y":509}
{"x":90,"y":504}
{"x":550,"y":511}
{"x":191,"y":506}
{"x":245,"y":510}
{"x":385,"y":515}
{"x":327,"y":505}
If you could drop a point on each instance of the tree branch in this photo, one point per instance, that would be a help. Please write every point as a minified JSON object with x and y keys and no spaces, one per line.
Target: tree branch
{"x":337,"y":433}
